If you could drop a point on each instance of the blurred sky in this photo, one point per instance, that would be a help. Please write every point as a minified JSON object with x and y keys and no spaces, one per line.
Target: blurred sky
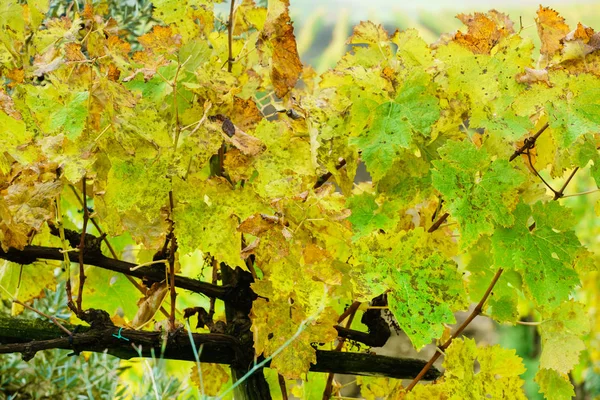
{"x":383,"y":10}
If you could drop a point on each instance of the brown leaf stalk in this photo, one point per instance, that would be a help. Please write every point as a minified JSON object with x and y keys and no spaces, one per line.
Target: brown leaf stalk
{"x":438,"y":223}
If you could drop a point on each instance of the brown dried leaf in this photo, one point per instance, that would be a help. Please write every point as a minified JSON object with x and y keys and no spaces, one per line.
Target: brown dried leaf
{"x":245,"y":114}
{"x":580,"y":42}
{"x":533,"y":75}
{"x":484,"y":30}
{"x":256,"y":225}
{"x":150,"y":304}
{"x":551,"y":29}
{"x":8,"y":106}
{"x":161,"y":40}
{"x":73,"y":52}
{"x":17,"y":75}
{"x":248,"y":145}
{"x":278,"y":32}
{"x":237,"y":165}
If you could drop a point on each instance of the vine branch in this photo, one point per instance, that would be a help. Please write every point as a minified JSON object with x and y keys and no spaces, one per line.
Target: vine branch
{"x":86,"y":217}
{"x":476,"y":311}
{"x":28,"y":336}
{"x":350,"y":312}
{"x":30,"y":254}
{"x":325,"y":177}
{"x":529,"y":142}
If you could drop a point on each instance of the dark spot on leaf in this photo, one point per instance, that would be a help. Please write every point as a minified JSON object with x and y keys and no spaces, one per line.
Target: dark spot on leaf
{"x":228,"y":127}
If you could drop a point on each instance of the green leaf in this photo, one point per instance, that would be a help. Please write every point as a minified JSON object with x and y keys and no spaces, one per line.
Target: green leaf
{"x":368,"y":215}
{"x":424,"y":286}
{"x":553,"y":385}
{"x":576,"y":111}
{"x":393,"y":125}
{"x":561,"y":333}
{"x":481,"y":194}
{"x":72,"y":116}
{"x":544,"y":256}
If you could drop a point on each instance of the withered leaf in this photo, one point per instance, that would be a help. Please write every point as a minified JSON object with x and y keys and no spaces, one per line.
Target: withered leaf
{"x":484,"y":30}
{"x":150,"y":304}
{"x":278,"y":32}
{"x":551,"y":29}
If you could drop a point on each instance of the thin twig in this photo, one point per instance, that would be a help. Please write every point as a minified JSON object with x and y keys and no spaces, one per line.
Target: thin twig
{"x":175,"y":108}
{"x":350,"y":313}
{"x":581,"y":193}
{"x":86,"y":216}
{"x":51,"y":318}
{"x":476,"y":311}
{"x":538,"y":174}
{"x":561,"y":192}
{"x":112,"y":250}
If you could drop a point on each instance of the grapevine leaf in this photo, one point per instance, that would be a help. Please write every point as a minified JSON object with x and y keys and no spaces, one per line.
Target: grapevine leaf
{"x":551,"y":29}
{"x":561,"y":332}
{"x":544,"y":256}
{"x":392,"y":125}
{"x":137,"y":185}
{"x":424,"y":287}
{"x":207,"y":215}
{"x":368,"y":33}
{"x":368,"y":215}
{"x":554,"y":385}
{"x":72,"y":116}
{"x":214,"y":376}
{"x":25,"y":282}
{"x":484,"y":31}
{"x":275,"y":331}
{"x":488,"y":84}
{"x":576,"y":110}
{"x":480,"y":193}
{"x":278,"y":34}
{"x":412,"y":50}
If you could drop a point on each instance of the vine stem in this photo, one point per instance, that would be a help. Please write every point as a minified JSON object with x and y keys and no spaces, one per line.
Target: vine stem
{"x":282,"y":386}
{"x":325,"y":177}
{"x":476,"y":311}
{"x":350,"y":313}
{"x":230,"y":36}
{"x":172,"y":265}
{"x":86,"y":217}
{"x":560,"y":193}
{"x":65,"y":252}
